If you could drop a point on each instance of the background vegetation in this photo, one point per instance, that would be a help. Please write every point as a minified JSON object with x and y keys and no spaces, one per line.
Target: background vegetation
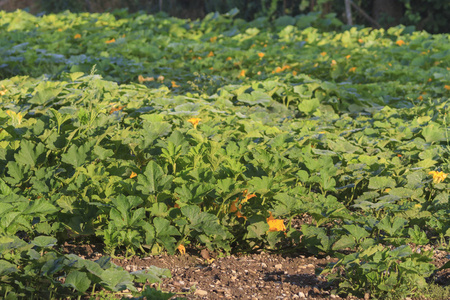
{"x":430,"y":15}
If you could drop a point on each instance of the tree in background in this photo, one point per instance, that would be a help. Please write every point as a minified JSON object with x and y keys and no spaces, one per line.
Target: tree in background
{"x":430,"y":15}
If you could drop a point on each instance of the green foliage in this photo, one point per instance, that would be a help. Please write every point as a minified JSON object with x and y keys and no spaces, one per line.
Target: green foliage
{"x":35,"y":269}
{"x":343,"y":127}
{"x":381,"y":272}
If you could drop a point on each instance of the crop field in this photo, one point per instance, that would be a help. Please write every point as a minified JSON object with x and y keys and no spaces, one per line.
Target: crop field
{"x":148,"y":134}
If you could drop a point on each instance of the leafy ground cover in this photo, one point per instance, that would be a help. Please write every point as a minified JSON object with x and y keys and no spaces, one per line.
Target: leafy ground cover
{"x":149,"y":134}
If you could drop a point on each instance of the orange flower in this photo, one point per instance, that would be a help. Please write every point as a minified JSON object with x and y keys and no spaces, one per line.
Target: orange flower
{"x":242,"y":73}
{"x":60,"y":29}
{"x":77,"y":36}
{"x":420,"y":97}
{"x":213,"y":39}
{"x":261,"y":55}
{"x":294,"y":73}
{"x":234,"y":209}
{"x":277,"y":70}
{"x":447,"y":87}
{"x":174,"y":85}
{"x":116,"y":108}
{"x":323,"y":53}
{"x":181,"y":249}
{"x":160,"y":78}
{"x":348,"y":56}
{"x":275,"y":224}
{"x":113,"y":40}
{"x":429,"y":79}
{"x":400,"y":42}
{"x":352,"y":69}
{"x":133,"y":174}
{"x":194,"y":121}
{"x":211,"y":54}
{"x":229,"y":58}
{"x":333,"y":63}
{"x":240,"y":215}
{"x":360,"y":41}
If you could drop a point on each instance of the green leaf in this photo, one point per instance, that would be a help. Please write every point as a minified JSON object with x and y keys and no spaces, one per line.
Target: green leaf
{"x":78,"y":280}
{"x":152,"y":274}
{"x":433,"y":133}
{"x":46,"y":92}
{"x":154,"y":179}
{"x":376,"y":183}
{"x":344,"y":242}
{"x":7,"y":268}
{"x":117,"y":280}
{"x":309,"y":106}
{"x":44,"y":241}
{"x":356,"y":231}
{"x":102,"y":153}
{"x":151,"y":293}
{"x":40,"y":206}
{"x":75,"y":156}
{"x":255,"y":98}
{"x":28,"y":154}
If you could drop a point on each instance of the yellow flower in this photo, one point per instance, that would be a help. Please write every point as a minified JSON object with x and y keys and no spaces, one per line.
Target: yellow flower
{"x":194,"y":121}
{"x":294,"y":73}
{"x":352,"y":69}
{"x":182,"y":249}
{"x":261,"y":55}
{"x":142,"y":79}
{"x":275,"y":224}
{"x":438,"y":176}
{"x":333,"y":63}
{"x":211,"y":54}
{"x":3,"y":92}
{"x":160,"y":78}
{"x":60,"y":29}
{"x":113,"y":40}
{"x":323,"y":53}
{"x":447,"y":87}
{"x":400,"y":42}
{"x":133,"y":174}
{"x":174,"y":84}
{"x":77,"y":36}
{"x":213,"y":39}
{"x":418,"y":205}
{"x":16,"y":117}
{"x":247,"y":196}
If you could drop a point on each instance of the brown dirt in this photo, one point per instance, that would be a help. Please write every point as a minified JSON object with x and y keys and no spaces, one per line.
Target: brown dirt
{"x":255,"y":276}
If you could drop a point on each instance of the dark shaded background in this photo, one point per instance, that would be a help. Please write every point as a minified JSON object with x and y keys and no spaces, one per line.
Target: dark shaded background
{"x":430,"y":15}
